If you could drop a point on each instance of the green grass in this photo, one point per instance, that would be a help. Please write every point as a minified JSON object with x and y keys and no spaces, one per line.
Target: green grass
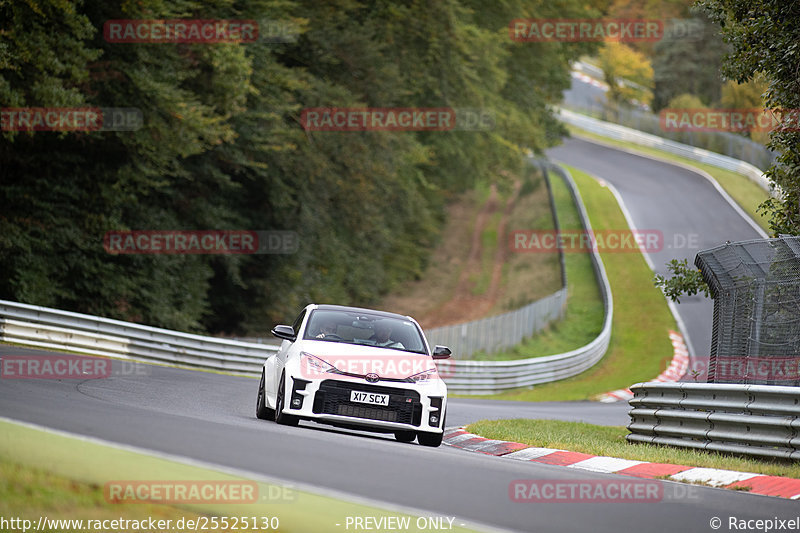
{"x":71,"y":484}
{"x":610,"y":441}
{"x":744,"y":191}
{"x":640,"y":347}
{"x":31,"y":492}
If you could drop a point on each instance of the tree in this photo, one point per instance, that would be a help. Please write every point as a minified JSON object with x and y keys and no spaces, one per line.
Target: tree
{"x":688,"y":65}
{"x":628,"y":74}
{"x":746,"y":96}
{"x":764,"y":36}
{"x":665,"y":11}
{"x":684,"y":280}
{"x":743,"y":95}
{"x":686,"y":101}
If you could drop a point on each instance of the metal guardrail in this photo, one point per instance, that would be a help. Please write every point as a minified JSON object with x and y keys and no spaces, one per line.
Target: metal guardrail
{"x":43,"y":327}
{"x":758,"y":420}
{"x":623,"y":133}
{"x":490,"y":377}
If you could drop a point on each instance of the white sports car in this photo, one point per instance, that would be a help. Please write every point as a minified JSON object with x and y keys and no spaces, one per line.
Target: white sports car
{"x":356,"y":368}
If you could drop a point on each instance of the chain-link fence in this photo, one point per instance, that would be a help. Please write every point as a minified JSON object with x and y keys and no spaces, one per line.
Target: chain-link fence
{"x":756,"y":329}
{"x":499,"y":332}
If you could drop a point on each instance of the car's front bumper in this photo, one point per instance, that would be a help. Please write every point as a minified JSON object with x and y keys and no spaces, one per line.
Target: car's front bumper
{"x":412,"y":407}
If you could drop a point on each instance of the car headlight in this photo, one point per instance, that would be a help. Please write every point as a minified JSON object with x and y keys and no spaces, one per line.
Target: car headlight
{"x":422,"y":376}
{"x":315,"y":365}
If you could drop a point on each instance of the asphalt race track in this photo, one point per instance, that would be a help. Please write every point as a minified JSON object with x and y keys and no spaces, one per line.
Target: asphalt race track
{"x":209,"y":417}
{"x":682,"y":204}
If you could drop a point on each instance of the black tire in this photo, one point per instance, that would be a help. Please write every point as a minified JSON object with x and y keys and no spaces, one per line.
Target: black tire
{"x":430,"y":439}
{"x":404,"y":436}
{"x":280,"y":418}
{"x":262,"y":411}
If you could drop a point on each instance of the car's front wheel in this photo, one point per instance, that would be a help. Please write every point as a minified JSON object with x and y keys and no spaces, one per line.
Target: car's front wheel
{"x":262,"y":411}
{"x":430,"y":439}
{"x":280,"y":418}
{"x":404,"y":436}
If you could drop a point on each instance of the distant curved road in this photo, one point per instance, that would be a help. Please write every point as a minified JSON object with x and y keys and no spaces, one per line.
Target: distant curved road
{"x":686,"y":207}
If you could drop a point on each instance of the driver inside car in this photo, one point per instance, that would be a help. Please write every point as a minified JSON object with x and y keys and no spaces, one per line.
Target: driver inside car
{"x":382,"y":336}
{"x":328,"y":328}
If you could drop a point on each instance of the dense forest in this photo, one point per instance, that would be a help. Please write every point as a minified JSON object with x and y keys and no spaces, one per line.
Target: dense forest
{"x":222,"y":147}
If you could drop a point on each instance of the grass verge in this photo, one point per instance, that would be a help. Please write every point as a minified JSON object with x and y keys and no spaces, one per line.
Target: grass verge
{"x":610,"y":441}
{"x":640,"y":347}
{"x":745,"y":192}
{"x":72,"y":487}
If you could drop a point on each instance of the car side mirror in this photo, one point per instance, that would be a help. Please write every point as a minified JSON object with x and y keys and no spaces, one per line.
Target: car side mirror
{"x":284,"y":332}
{"x":441,"y":352}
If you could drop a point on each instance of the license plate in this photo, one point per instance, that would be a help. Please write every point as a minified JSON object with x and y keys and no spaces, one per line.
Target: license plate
{"x":369,"y":397}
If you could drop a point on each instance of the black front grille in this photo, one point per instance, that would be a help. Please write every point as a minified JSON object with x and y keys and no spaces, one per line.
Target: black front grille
{"x":373,"y":413}
{"x":333,"y":397}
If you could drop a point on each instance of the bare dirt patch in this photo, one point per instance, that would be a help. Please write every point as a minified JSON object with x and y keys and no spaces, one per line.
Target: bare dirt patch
{"x":471,"y":274}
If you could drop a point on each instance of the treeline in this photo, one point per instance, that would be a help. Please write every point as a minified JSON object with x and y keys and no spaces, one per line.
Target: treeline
{"x":686,"y":68}
{"x":222,"y":147}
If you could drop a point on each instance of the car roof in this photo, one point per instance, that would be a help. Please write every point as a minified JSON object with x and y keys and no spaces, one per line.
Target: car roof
{"x":387,"y":314}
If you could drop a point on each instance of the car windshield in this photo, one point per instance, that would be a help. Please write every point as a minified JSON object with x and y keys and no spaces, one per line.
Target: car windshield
{"x":354,"y":327}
